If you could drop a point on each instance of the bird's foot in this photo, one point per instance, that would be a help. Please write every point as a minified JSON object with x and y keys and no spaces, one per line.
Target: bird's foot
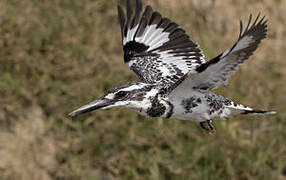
{"x":208,"y":127}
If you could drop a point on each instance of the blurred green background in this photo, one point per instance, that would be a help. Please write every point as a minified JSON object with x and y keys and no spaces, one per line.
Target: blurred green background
{"x":56,"y":55}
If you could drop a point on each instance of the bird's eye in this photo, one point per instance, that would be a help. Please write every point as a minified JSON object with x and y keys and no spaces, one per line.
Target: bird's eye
{"x":121,"y":94}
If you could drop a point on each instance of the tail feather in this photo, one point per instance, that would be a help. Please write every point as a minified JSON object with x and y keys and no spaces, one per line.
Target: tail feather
{"x":241,"y":109}
{"x":257,"y":111}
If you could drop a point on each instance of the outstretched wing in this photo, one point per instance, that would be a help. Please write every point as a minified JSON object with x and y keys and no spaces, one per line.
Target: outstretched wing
{"x":218,"y":70}
{"x":155,"y":48}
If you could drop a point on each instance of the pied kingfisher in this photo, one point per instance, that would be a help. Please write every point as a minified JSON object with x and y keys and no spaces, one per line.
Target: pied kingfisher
{"x":175,"y":79}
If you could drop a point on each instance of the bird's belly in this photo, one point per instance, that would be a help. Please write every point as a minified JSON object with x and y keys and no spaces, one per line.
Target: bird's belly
{"x":195,"y":108}
{"x":198,"y":113}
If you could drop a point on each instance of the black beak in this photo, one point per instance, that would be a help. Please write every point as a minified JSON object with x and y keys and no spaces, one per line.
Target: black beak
{"x":94,"y":105}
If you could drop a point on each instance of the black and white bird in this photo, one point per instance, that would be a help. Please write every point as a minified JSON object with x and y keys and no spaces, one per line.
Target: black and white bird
{"x":176,"y":81}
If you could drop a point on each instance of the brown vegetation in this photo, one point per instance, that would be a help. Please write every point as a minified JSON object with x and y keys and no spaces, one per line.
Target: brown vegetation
{"x":57,"y":55}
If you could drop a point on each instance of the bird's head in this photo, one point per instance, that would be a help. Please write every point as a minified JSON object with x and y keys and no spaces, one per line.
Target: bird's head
{"x":130,"y":95}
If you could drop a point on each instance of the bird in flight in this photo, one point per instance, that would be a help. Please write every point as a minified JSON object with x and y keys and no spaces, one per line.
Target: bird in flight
{"x":175,"y":80}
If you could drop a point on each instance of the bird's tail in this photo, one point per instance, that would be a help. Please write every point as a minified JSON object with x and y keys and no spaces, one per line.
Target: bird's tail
{"x":241,"y":109}
{"x":257,"y":111}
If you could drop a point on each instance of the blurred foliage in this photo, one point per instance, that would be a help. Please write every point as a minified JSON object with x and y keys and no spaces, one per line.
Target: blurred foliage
{"x":59,"y":54}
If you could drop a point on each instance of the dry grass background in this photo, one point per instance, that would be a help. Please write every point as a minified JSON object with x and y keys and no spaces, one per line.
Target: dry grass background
{"x":59,"y":54}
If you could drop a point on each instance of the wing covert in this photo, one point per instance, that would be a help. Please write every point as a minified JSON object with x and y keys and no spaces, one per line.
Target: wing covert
{"x":155,"y":48}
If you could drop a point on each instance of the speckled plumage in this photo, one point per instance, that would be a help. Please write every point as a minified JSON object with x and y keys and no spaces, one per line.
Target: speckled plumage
{"x":175,"y":79}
